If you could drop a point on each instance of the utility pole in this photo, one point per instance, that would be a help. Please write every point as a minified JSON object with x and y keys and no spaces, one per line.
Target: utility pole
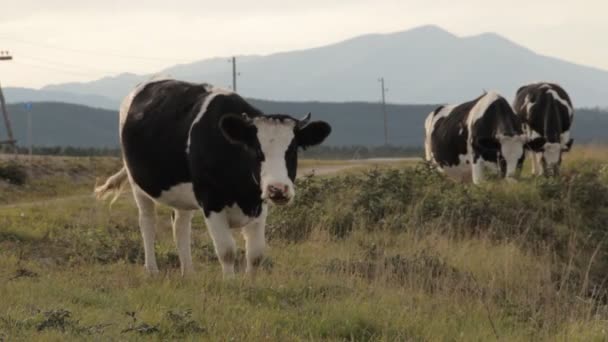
{"x":6,"y":56}
{"x":384,"y":89}
{"x":30,"y":136}
{"x":235,"y":74}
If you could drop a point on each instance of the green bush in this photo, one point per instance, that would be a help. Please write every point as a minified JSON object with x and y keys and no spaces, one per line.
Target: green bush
{"x":13,"y":173}
{"x":538,"y":213}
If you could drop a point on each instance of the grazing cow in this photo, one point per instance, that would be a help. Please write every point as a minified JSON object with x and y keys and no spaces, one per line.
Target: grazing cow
{"x":460,"y":138}
{"x":193,"y":146}
{"x":547,"y":113}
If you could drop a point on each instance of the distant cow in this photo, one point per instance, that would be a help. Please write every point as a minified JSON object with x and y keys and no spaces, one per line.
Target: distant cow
{"x":193,"y":146}
{"x":461,"y":138}
{"x":547,"y":113}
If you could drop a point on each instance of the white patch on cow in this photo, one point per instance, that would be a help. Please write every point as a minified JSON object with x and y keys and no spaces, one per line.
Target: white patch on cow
{"x":255,"y":241}
{"x":512,"y":149}
{"x":480,"y":108}
{"x":461,"y":171}
{"x":533,"y":134}
{"x":213,"y":93}
{"x":126,"y":102}
{"x":225,"y":247}
{"x":274,"y":136}
{"x":564,"y":102}
{"x":528,"y":105}
{"x":180,"y":196}
{"x":429,"y":126}
{"x":552,"y":154}
{"x":236,"y":217}
{"x":564,"y":138}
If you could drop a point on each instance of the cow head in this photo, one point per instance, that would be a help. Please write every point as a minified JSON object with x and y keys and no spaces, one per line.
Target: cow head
{"x":512,"y":151}
{"x":508,"y":150}
{"x":551,"y":153}
{"x":274,"y":140}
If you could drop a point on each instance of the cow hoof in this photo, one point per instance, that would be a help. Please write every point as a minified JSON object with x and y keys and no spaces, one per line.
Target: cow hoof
{"x":151,"y":271}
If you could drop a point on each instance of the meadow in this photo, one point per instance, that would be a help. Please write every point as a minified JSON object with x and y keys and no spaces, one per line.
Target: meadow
{"x":392,"y":253}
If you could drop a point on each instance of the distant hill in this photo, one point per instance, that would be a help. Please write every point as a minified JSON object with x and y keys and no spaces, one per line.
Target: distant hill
{"x":354,"y":123}
{"x":422,"y":65}
{"x":63,"y":124}
{"x":16,"y":95}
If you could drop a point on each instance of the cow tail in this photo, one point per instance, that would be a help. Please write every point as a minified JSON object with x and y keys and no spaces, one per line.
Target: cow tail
{"x":114,"y":185}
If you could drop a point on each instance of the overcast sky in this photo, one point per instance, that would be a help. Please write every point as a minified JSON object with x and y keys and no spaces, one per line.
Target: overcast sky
{"x":79,"y":40}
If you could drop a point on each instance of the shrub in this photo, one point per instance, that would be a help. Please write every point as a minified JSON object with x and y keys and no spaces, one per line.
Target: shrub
{"x":538,"y":213}
{"x":13,"y":173}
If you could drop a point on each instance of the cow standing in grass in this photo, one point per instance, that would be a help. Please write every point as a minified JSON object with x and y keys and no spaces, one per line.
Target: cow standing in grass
{"x":547,"y":113}
{"x":460,"y":139}
{"x":192,"y":147}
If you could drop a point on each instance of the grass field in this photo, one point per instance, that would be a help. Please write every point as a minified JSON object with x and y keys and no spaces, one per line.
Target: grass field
{"x":395,"y":253}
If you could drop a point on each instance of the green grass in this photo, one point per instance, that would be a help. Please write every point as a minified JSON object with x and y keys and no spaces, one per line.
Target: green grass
{"x":387,"y":254}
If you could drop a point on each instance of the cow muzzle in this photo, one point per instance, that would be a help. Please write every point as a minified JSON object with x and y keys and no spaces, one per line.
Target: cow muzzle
{"x":278,"y":193}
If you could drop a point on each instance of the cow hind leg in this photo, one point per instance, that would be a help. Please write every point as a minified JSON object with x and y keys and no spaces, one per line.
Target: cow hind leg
{"x":255,"y":242}
{"x":225,"y":247}
{"x":182,"y":234}
{"x":147,"y":225}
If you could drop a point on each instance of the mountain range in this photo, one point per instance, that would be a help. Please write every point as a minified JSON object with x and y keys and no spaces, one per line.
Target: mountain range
{"x":353,"y":123}
{"x":423,"y":65}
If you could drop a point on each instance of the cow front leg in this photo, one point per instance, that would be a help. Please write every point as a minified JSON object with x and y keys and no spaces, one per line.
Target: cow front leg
{"x":225,"y":248}
{"x":477,"y":171}
{"x":147,"y":226}
{"x":537,"y":164}
{"x":182,"y":234}
{"x":255,"y":242}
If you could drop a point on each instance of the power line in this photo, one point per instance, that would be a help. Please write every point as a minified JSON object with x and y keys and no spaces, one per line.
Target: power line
{"x":58,"y":69}
{"x":64,"y":65}
{"x":92,"y":52}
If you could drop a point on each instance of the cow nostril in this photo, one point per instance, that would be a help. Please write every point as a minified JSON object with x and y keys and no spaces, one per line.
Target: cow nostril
{"x":278,"y":190}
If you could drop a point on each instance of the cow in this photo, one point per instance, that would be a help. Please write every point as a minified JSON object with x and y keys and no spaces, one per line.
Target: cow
{"x":547,"y":113}
{"x":460,"y":139}
{"x":197,"y":147}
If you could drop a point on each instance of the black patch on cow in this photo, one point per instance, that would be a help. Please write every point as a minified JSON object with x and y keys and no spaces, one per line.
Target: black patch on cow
{"x":536,"y":144}
{"x":312,"y":134}
{"x":449,"y":135}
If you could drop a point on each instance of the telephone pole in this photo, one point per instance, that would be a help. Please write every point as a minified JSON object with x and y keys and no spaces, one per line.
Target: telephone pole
{"x":235,"y":73}
{"x":384,"y":89}
{"x":6,"y":56}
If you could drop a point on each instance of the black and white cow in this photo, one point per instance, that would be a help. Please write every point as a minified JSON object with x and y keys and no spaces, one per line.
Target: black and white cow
{"x":461,"y":138}
{"x":547,"y":113}
{"x":193,"y":146}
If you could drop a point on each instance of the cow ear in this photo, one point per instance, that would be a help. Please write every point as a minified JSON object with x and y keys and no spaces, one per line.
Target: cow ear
{"x":488,"y":144}
{"x":537,"y":144}
{"x":238,"y":130}
{"x":312,"y":133}
{"x":568,"y":146}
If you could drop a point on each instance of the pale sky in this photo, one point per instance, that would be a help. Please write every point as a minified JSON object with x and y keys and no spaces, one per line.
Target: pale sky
{"x":80,"y":40}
